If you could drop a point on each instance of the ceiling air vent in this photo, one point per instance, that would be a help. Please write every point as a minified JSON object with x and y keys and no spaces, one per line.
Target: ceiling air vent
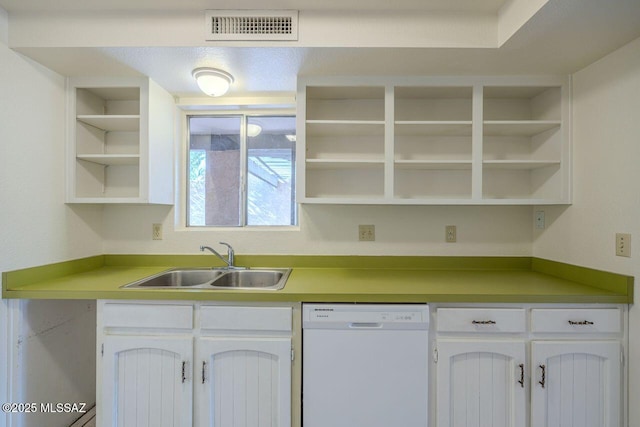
{"x":251,"y":25}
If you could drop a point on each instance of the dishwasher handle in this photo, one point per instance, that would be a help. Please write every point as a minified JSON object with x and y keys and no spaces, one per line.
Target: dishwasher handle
{"x":365,"y":325}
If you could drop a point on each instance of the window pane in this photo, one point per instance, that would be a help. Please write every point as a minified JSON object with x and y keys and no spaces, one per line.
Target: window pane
{"x":197,"y":175}
{"x":271,"y":171}
{"x":214,"y":171}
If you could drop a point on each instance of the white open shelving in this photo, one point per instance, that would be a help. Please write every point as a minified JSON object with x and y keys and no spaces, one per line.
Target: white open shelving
{"x":434,"y":140}
{"x":120,"y":145}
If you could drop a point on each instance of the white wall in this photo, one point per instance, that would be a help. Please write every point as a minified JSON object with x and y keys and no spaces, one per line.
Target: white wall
{"x":4,"y":26}
{"x":36,"y":228}
{"x":606,"y":152}
{"x":333,"y":230}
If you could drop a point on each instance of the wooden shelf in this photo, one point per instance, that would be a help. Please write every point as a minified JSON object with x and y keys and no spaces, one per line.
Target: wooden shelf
{"x":433,"y":128}
{"x":111,"y":159}
{"x":344,"y":127}
{"x":433,"y":164}
{"x":519,"y":164}
{"x":476,"y":140}
{"x":119,"y":148}
{"x":518,"y":127}
{"x":112,"y":123}
{"x":343,"y":164}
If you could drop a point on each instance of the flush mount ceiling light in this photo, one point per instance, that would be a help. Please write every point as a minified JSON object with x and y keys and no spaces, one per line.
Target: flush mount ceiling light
{"x":212,"y":81}
{"x":253,"y":130}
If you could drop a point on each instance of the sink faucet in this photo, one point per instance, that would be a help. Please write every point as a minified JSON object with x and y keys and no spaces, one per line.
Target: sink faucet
{"x":230,"y":254}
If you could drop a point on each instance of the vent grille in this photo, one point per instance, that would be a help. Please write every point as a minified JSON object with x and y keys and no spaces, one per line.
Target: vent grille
{"x":251,"y":25}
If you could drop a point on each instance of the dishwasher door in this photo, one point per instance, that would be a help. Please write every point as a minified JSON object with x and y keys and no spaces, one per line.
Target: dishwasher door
{"x":365,"y":365}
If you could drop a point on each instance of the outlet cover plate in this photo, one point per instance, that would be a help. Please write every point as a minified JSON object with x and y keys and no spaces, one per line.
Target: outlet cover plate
{"x":540,"y":220}
{"x":366,"y":233}
{"x":623,"y":244}
{"x":156,"y":232}
{"x":450,"y":234}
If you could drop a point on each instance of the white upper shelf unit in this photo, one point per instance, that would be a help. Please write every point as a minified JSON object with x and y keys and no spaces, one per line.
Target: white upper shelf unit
{"x":434,"y":140}
{"x":120,"y":147}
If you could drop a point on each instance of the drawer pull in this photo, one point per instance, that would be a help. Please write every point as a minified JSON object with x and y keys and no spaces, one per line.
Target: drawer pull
{"x":544,"y":375}
{"x":581,"y":323}
{"x":204,"y":368}
{"x":184,"y":374}
{"x":483,"y":322}
{"x":521,"y":381}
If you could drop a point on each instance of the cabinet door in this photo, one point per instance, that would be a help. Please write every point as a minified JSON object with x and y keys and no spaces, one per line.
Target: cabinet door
{"x":243,"y":382}
{"x":576,"y":384}
{"x":481,"y":383}
{"x":146,"y":381}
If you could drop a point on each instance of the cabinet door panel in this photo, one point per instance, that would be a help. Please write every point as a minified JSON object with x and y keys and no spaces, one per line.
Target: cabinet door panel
{"x":143,"y":381}
{"x":478,"y":384}
{"x":581,"y":384}
{"x":244,"y":382}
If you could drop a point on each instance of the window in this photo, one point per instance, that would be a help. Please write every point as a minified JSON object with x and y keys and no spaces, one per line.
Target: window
{"x":241,"y":171}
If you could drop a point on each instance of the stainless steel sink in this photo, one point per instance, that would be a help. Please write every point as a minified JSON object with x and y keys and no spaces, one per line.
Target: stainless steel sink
{"x":207,"y":278}
{"x":251,"y":279}
{"x":177,"y":278}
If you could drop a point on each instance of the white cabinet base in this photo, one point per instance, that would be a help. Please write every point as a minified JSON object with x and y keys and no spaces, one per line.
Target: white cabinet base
{"x":478,"y":383}
{"x":146,"y":381}
{"x":581,"y":384}
{"x":185,"y":364}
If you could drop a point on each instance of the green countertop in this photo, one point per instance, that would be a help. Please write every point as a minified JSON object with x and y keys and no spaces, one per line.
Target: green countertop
{"x":335,"y":279}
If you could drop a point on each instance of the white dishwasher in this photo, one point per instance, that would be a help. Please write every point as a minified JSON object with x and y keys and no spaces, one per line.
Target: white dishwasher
{"x":365,"y":365}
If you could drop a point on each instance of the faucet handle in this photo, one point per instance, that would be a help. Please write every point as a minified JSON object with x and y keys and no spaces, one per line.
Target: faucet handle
{"x":230,"y":254}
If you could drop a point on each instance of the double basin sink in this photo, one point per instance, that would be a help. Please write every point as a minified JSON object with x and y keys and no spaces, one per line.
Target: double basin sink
{"x":212,"y":278}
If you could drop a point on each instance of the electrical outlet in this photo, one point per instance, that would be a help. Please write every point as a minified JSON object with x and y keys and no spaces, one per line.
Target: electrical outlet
{"x":156,"y":232}
{"x":450,"y":233}
{"x":540,"y":220}
{"x":623,"y":244}
{"x":366,"y":233}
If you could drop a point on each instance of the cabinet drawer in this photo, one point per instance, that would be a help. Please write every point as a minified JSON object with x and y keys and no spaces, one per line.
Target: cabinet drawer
{"x":246,"y":318}
{"x":490,"y":320}
{"x":578,"y":320}
{"x":148,"y":316}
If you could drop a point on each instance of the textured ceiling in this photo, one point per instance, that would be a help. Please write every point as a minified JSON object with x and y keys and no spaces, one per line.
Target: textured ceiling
{"x":154,"y":5}
{"x":563,"y":37}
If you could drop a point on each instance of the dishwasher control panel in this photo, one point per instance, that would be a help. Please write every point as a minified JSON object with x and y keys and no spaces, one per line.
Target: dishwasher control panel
{"x":383,"y":316}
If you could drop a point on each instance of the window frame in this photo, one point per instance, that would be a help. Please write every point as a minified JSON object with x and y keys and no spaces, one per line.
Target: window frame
{"x":183,"y":167}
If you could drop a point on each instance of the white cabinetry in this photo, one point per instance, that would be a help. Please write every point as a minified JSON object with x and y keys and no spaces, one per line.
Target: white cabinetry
{"x":495,"y":367}
{"x":244,"y":382}
{"x":182,"y":364}
{"x":483,"y":387}
{"x":244,"y":364}
{"x":145,"y":381}
{"x":345,"y":143}
{"x":480,"y":381}
{"x":467,"y":140}
{"x":525,"y":147}
{"x":120,"y":146}
{"x":577,"y":382}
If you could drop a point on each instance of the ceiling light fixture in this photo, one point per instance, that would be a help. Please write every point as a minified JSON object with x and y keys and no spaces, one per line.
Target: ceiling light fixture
{"x":212,"y":81}
{"x":253,"y":130}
